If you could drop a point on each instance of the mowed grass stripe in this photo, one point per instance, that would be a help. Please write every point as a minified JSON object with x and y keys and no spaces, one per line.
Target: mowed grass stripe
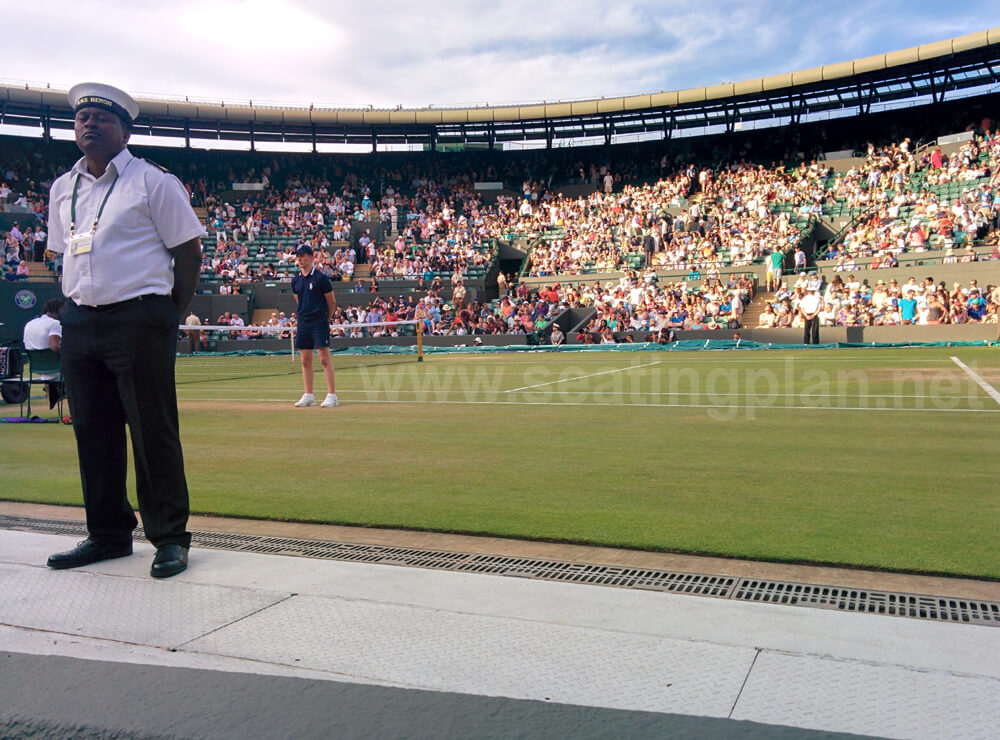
{"x":566,"y":379}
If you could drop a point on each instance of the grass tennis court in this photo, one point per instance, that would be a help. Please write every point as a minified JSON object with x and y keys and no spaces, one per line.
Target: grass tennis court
{"x":878,"y":458}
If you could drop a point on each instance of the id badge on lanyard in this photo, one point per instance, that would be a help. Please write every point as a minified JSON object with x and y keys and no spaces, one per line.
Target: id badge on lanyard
{"x":81,"y":243}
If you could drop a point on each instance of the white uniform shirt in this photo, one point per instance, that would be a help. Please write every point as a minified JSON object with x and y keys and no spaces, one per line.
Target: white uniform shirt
{"x":36,"y":336}
{"x":810,"y":303}
{"x":37,"y":332}
{"x":148,"y":213}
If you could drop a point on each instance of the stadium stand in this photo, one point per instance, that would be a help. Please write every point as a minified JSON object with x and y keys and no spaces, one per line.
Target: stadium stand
{"x":402,"y":232}
{"x":940,"y":203}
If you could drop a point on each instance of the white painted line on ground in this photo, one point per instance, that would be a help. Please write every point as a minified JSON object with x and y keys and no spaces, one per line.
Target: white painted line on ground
{"x":290,"y":400}
{"x":990,"y":390}
{"x":705,"y":393}
{"x":694,"y":358}
{"x":581,"y":377}
{"x":460,"y":391}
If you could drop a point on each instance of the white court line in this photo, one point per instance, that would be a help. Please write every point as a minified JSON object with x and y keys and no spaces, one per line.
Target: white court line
{"x":695,"y":358}
{"x":581,"y":377}
{"x":462,"y":391}
{"x":990,"y":390}
{"x":291,"y":400}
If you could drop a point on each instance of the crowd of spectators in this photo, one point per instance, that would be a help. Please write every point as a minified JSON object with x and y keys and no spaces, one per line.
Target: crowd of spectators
{"x":732,"y":219}
{"x":912,"y":209}
{"x":736,"y":218}
{"x":886,"y":168}
{"x":887,"y":303}
{"x":21,"y":247}
{"x":518,"y":311}
{"x":639,"y":303}
{"x":654,"y":209}
{"x":601,"y":231}
{"x":256,"y":239}
{"x":439,"y":230}
{"x":26,"y":174}
{"x":739,"y":218}
{"x":25,"y":178}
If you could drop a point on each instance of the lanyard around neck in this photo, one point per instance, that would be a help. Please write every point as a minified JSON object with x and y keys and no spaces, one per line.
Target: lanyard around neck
{"x":100,"y":211}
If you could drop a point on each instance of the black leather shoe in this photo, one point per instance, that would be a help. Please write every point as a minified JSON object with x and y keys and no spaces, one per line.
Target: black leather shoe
{"x":169,"y":561}
{"x":90,"y":551}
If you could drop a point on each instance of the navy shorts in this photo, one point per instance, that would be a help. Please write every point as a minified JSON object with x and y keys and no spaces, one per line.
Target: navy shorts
{"x":312,"y":335}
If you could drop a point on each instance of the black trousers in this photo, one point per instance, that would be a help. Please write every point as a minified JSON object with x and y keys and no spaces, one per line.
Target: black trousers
{"x":812,"y":331}
{"x":118,"y":363}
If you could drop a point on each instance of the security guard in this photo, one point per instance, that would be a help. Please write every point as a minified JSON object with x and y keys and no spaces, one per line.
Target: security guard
{"x":131,"y":247}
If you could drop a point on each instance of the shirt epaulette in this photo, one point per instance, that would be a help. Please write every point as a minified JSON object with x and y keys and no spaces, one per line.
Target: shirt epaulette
{"x":157,"y":165}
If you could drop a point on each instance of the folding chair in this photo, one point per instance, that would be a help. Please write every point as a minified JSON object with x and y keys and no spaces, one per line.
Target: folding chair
{"x":45,"y":368}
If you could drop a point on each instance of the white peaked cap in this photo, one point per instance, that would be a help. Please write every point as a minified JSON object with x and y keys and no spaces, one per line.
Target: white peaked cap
{"x":104,"y":96}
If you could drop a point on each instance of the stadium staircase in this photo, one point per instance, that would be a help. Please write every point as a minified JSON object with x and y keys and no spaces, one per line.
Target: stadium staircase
{"x":40,"y":271}
{"x":261,"y":315}
{"x":752,"y":312}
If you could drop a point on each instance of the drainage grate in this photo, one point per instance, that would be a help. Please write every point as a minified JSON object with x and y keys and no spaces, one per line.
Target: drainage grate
{"x":888,"y":603}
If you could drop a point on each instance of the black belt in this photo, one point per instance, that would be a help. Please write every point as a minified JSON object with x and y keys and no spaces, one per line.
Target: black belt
{"x":121,"y":304}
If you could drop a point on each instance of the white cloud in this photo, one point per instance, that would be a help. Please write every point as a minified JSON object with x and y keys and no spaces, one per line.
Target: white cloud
{"x":452,"y":52}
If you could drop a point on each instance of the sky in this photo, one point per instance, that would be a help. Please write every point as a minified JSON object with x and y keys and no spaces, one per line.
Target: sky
{"x":414,"y":54}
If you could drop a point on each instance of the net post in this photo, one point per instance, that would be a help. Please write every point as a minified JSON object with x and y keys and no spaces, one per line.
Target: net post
{"x":420,"y":341}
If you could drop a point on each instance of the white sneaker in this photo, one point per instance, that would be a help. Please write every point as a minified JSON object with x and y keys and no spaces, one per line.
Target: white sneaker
{"x":308,"y":399}
{"x":330,"y":401}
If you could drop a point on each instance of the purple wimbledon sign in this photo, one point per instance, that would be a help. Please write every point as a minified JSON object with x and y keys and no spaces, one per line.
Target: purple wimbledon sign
{"x":25,"y":299}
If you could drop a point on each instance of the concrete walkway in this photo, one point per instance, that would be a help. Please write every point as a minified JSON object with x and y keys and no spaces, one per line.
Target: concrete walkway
{"x":245,"y":644}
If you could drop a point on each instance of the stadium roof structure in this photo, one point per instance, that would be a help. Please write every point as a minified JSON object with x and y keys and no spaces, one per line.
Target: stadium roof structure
{"x":921,"y":74}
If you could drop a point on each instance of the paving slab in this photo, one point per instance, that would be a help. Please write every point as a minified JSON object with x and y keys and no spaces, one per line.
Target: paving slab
{"x":856,"y":697}
{"x":132,"y":610}
{"x":490,"y":656}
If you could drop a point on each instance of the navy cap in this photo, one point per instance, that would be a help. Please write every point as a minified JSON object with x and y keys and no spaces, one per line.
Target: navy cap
{"x":304,"y":249}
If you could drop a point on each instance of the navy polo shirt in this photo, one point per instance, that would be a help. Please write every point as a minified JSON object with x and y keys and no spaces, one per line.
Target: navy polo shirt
{"x":311,"y":290}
